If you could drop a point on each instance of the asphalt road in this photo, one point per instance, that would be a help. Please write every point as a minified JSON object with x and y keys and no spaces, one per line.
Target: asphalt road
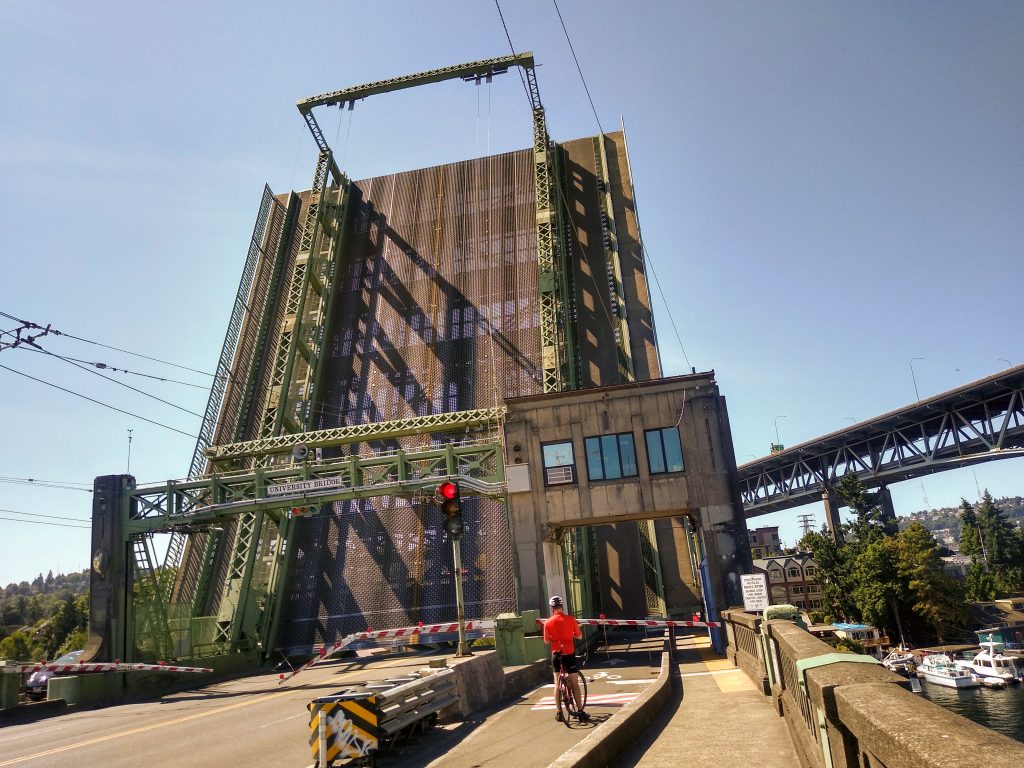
{"x":256,"y":723}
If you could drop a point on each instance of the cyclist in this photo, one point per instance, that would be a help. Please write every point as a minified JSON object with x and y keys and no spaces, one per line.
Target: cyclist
{"x":560,"y":632}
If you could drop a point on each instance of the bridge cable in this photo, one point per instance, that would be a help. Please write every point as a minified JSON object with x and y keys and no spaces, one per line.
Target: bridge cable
{"x":40,"y":514}
{"x":578,"y":69}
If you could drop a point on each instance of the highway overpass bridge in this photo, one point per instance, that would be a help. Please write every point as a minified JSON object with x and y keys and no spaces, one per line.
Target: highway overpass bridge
{"x":978,"y":422}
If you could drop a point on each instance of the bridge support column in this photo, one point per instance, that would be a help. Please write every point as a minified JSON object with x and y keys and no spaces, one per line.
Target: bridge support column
{"x":828,"y":496}
{"x":111,"y":622}
{"x":885,"y":501}
{"x":554,"y":572}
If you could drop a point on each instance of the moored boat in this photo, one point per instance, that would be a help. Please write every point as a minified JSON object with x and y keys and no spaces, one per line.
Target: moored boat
{"x":900,"y":660}
{"x":990,"y":663}
{"x":939,"y":669}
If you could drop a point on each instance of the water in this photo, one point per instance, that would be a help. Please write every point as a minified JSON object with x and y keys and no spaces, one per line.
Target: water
{"x":1000,"y":710}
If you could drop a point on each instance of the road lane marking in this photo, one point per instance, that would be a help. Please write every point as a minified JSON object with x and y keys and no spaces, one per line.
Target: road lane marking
{"x":603,"y":700}
{"x":143,"y":728}
{"x":275,"y":722}
{"x":35,"y":733}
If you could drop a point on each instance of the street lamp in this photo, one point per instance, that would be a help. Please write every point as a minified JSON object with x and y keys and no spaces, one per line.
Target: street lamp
{"x":1004,"y":360}
{"x":915,"y":377}
{"x":777,"y":445}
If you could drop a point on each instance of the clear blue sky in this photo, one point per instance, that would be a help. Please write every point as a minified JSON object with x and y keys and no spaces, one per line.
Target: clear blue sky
{"x":826,"y":191}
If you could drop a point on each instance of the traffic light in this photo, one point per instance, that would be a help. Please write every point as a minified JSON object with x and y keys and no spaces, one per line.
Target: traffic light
{"x":451,"y":506}
{"x":303,"y":511}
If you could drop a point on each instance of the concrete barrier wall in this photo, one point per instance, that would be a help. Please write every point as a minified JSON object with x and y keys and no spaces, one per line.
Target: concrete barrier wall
{"x":614,"y":735}
{"x":850,"y":714}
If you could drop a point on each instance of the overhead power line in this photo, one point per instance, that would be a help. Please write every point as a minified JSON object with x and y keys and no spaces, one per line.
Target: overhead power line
{"x":99,"y":402}
{"x":120,"y":383}
{"x":43,"y":522}
{"x":106,"y":346}
{"x":32,"y":483}
{"x":109,"y":367}
{"x":578,"y":69}
{"x":40,"y":514}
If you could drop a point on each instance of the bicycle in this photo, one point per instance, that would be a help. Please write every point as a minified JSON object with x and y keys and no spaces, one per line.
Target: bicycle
{"x":568,"y":707}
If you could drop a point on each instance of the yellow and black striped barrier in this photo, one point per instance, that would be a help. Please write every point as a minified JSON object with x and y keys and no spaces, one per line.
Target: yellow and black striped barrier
{"x":343,"y":728}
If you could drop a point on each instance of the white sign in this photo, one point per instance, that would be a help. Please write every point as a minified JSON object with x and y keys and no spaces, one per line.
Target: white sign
{"x":320,"y":484}
{"x":755,"y":591}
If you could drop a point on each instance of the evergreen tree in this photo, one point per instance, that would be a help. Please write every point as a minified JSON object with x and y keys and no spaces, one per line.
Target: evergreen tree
{"x":932,"y":594}
{"x":970,"y":544}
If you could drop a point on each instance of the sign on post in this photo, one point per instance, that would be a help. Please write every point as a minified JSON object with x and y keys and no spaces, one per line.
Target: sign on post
{"x":755,"y":591}
{"x":320,"y":484}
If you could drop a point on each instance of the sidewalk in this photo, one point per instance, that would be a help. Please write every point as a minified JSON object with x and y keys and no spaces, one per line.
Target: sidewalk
{"x":718,"y":718}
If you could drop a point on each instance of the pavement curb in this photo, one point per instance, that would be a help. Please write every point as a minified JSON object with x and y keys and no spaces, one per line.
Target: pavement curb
{"x":614,"y":735}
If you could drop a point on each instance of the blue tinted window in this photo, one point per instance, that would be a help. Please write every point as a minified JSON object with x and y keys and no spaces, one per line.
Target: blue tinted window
{"x":610,"y":457}
{"x":673,"y":450}
{"x":628,"y":455}
{"x":595,"y":470}
{"x":655,"y":455}
{"x":558,"y":454}
{"x":664,"y":451}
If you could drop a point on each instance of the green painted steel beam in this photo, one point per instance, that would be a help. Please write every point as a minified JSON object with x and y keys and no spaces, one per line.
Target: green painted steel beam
{"x":474,"y":69}
{"x":205,"y":502}
{"x":360,"y":433}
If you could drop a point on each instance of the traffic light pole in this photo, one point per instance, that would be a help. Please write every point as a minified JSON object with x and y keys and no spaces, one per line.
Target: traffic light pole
{"x":460,"y":603}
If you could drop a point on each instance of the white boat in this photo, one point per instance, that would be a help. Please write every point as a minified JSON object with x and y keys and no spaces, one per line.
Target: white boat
{"x":939,"y":669}
{"x":989,"y":662}
{"x":900,"y":660}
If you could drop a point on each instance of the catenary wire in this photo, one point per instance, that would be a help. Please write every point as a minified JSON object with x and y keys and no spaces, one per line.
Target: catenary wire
{"x":41,"y":484}
{"x":109,"y":367}
{"x":40,"y":514}
{"x":43,"y":522}
{"x":108,"y":346}
{"x":99,"y":402}
{"x":647,"y":256}
{"x":578,"y":69}
{"x":508,"y":37}
{"x":122,"y":384}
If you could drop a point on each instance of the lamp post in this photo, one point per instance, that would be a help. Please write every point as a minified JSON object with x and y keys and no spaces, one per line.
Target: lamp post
{"x":1004,"y":360}
{"x":777,"y":440}
{"x":912,"y":376}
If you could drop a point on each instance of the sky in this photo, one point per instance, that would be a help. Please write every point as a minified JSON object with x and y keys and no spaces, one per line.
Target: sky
{"x":826,"y":191}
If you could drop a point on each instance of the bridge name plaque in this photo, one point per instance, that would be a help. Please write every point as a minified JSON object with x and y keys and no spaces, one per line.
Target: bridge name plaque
{"x":320,"y":484}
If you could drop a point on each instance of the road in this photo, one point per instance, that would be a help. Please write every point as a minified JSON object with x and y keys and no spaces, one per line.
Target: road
{"x":257,"y":723}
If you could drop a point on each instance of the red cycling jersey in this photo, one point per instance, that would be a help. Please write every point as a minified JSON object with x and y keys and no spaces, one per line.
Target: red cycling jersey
{"x":560,"y":630}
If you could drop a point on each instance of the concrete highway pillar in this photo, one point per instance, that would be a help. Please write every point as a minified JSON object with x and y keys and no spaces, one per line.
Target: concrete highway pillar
{"x":885,"y":500}
{"x":828,"y":496}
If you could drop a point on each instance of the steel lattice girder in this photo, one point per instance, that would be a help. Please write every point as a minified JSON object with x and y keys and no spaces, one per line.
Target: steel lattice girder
{"x":197,"y":504}
{"x":360,"y":433}
{"x":980,"y":422}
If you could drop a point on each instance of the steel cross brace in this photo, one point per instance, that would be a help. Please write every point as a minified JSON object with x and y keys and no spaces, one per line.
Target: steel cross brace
{"x":360,"y":433}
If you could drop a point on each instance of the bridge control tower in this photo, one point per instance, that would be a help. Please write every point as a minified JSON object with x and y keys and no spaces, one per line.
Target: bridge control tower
{"x":449,"y":322}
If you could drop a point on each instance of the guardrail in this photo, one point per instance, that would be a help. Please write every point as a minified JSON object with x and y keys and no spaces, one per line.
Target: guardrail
{"x":352,"y":727}
{"x":847,"y":711}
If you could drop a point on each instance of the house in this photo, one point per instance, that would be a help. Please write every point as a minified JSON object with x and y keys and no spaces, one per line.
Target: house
{"x":791,"y":580}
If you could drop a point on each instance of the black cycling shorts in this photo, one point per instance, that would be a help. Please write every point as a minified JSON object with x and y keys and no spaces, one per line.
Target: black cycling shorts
{"x":560,"y":661}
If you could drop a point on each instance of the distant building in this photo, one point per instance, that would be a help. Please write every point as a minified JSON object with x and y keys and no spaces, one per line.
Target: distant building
{"x":764,"y":542}
{"x":957,"y":566}
{"x":1001,"y":621}
{"x":868,"y":636}
{"x":791,"y":580}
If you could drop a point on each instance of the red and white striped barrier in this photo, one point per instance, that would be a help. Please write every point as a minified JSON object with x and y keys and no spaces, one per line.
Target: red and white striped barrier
{"x":387,"y":634}
{"x":602,"y":622}
{"x":103,"y":666}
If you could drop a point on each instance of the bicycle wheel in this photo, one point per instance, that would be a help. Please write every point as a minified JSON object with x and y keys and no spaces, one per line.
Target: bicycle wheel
{"x":582,"y":680}
{"x":566,"y":705}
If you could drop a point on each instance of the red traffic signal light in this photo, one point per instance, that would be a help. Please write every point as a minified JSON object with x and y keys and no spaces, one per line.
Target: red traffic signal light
{"x":451,"y":506}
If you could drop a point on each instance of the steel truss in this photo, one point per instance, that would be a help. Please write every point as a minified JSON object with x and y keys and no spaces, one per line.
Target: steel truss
{"x":557,"y":361}
{"x":195,"y":505}
{"x":980,"y":422}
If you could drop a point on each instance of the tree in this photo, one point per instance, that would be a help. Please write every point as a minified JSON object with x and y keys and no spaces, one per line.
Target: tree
{"x":871,"y":523}
{"x":970,"y":543}
{"x":932,"y":594}
{"x":17,"y":647}
{"x":833,"y":576}
{"x":877,"y":584}
{"x":980,"y":585}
